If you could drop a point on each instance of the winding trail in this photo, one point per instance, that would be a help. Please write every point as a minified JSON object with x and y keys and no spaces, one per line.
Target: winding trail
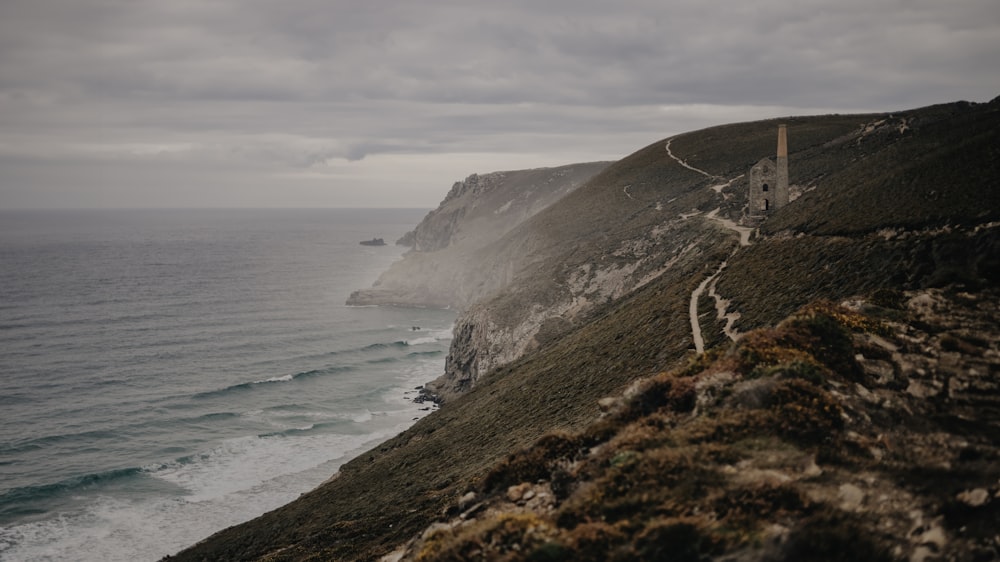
{"x":699,"y":340}
{"x":743,"y":231}
{"x":721,"y":309}
{"x":719,"y":187}
{"x":709,"y":282}
{"x":685,"y":164}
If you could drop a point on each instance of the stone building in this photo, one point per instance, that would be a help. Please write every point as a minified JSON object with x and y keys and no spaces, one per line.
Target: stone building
{"x":769,"y":181}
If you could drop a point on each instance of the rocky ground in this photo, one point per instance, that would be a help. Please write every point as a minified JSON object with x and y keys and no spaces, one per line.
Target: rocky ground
{"x":868,"y":430}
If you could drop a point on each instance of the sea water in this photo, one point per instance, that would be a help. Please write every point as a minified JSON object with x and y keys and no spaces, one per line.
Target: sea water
{"x":166,"y":374}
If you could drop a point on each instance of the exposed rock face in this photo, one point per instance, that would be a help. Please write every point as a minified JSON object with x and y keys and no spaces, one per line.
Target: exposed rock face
{"x":485,"y":197}
{"x":497,"y":331}
{"x":444,"y":267}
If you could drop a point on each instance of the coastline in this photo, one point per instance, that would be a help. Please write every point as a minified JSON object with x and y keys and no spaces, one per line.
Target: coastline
{"x":177,"y":521}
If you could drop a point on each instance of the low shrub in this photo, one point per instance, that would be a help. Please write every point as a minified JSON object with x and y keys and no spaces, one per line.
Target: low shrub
{"x":593,"y":541}
{"x":833,"y":538}
{"x":500,"y":537}
{"x":804,"y":413}
{"x":889,"y":298}
{"x":534,"y":463}
{"x":746,"y":507}
{"x":676,"y":539}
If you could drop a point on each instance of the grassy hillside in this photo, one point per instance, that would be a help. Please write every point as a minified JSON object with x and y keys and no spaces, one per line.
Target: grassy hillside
{"x":905,"y":210}
{"x":625,"y":219}
{"x":816,"y":440}
{"x":630,"y":214}
{"x":917,"y":169}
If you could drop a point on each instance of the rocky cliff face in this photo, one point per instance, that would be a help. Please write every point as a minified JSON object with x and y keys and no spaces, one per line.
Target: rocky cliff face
{"x":530,"y":315}
{"x":443,"y":268}
{"x":503,"y":195}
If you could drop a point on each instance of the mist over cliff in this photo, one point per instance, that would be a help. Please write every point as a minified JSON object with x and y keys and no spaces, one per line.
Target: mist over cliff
{"x":446,"y":266}
{"x":640,"y":366}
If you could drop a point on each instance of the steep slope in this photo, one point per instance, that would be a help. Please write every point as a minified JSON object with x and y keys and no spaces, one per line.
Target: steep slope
{"x":835,"y":436}
{"x":385,"y":496}
{"x":916,"y":204}
{"x":440,"y":270}
{"x":868,"y":181}
{"x":630,"y":248}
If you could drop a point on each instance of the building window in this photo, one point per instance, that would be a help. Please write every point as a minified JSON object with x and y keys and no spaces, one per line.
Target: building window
{"x":765,"y":205}
{"x":764,"y":188}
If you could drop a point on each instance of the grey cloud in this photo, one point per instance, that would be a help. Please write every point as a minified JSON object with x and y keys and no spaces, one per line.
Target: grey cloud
{"x":263,"y":89}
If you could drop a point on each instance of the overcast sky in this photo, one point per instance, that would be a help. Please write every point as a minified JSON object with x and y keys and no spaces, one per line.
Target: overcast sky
{"x":341,"y":103}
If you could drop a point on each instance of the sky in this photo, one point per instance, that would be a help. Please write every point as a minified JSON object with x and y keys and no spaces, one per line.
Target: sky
{"x":386,"y":103}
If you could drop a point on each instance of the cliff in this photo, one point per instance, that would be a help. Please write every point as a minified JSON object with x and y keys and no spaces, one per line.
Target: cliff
{"x":868,"y":428}
{"x":442,"y":268}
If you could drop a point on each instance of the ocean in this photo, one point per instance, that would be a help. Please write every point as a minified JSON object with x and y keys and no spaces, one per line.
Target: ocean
{"x":165,"y":374}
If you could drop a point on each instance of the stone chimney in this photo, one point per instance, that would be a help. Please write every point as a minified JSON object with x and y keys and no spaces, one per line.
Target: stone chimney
{"x":781,"y":179}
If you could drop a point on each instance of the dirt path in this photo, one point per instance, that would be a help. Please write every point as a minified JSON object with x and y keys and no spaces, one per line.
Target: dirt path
{"x":685,"y":164}
{"x":721,"y":304}
{"x":699,"y":340}
{"x":744,"y":231}
{"x":722,"y":309}
{"x":719,"y":187}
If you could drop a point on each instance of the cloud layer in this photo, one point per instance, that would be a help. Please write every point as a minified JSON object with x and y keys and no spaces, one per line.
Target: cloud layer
{"x":350,"y":103}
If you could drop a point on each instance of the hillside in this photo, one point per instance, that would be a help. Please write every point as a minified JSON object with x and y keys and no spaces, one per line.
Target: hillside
{"x":862,"y":433}
{"x":875,"y":188}
{"x":601,"y":297}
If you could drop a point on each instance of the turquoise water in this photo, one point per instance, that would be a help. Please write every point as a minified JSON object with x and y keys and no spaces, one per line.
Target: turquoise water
{"x":166,"y":374}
